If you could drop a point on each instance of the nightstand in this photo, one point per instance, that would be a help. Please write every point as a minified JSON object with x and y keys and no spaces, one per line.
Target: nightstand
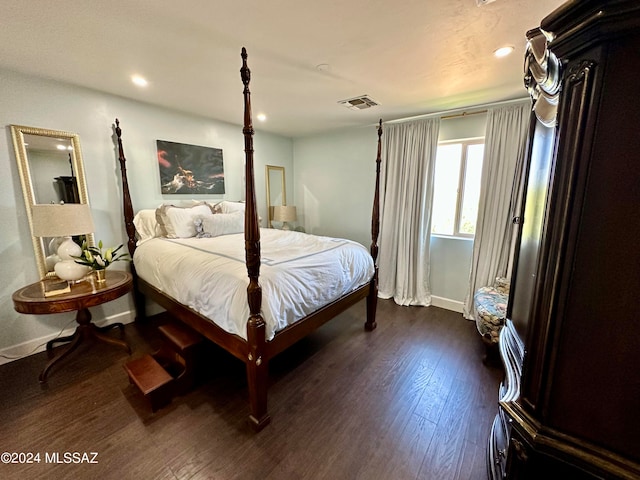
{"x":31,"y":300}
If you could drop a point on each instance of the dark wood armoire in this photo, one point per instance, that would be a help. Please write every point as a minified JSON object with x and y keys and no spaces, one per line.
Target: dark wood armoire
{"x":570,"y":401}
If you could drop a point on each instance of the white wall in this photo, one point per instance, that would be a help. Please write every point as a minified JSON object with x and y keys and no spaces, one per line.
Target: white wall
{"x":334,"y":179}
{"x":41,"y":103}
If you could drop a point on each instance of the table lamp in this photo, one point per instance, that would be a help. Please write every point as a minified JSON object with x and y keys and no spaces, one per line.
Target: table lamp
{"x":284,"y":214}
{"x":64,"y":220}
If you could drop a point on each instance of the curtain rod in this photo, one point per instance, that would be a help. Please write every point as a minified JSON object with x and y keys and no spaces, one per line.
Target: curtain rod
{"x":461,"y":112}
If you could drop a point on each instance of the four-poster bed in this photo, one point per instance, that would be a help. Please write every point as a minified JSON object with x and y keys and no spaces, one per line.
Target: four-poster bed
{"x":260,"y":340}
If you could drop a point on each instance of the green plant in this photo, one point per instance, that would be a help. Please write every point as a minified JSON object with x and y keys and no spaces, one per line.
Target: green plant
{"x":98,"y":259}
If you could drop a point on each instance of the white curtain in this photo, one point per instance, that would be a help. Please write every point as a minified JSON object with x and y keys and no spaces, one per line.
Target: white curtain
{"x":504,"y":151}
{"x":409,"y":151}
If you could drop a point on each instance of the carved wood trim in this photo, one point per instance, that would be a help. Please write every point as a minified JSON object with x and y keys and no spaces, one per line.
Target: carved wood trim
{"x":578,"y":26}
{"x":559,"y":445}
{"x":542,"y":77}
{"x":566,"y":184}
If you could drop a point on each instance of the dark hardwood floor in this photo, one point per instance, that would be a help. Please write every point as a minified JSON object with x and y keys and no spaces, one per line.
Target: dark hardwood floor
{"x":410,"y":400}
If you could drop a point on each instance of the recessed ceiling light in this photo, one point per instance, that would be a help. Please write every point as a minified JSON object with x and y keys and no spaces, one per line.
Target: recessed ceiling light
{"x":261,"y":116}
{"x":139,"y":80}
{"x":503,"y":51}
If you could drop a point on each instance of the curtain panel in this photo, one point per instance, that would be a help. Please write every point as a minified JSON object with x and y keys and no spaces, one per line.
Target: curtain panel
{"x":504,"y":152}
{"x":409,"y":150}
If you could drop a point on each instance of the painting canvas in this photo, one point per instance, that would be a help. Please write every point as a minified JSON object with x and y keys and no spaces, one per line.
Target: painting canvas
{"x":190,"y":169}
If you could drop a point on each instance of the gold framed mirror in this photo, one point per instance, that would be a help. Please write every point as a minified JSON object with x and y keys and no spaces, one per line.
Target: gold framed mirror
{"x":276,"y":190}
{"x":51,"y":171}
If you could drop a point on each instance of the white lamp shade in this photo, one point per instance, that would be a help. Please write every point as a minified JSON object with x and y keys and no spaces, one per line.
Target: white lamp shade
{"x":61,"y":220}
{"x":284,"y":213}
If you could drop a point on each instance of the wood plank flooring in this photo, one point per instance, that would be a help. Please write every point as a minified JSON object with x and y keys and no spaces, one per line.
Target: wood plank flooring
{"x":411,"y":400}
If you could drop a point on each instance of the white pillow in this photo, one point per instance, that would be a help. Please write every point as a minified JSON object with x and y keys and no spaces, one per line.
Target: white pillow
{"x":146,"y":225}
{"x":223,"y":223}
{"x":177,"y":222}
{"x":226,"y":206}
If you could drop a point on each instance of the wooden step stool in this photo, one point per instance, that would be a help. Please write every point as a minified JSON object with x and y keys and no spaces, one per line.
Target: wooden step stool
{"x":169,"y":371}
{"x":151,"y":379}
{"x":186,"y":343}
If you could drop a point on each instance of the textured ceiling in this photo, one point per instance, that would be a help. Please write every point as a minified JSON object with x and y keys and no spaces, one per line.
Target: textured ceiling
{"x":412,"y":57}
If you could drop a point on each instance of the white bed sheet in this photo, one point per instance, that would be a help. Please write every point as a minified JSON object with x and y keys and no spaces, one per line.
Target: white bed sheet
{"x":299,"y":273}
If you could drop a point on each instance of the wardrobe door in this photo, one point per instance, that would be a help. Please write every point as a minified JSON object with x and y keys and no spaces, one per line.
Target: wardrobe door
{"x":531,"y":223}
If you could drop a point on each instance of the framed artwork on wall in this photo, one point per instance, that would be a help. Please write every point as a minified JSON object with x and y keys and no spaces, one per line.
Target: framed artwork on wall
{"x":190,"y":169}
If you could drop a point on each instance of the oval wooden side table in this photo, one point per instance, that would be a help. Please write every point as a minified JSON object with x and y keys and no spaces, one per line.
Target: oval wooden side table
{"x":31,"y":300}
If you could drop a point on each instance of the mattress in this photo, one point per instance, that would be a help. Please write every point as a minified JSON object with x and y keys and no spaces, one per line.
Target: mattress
{"x":299,"y":274}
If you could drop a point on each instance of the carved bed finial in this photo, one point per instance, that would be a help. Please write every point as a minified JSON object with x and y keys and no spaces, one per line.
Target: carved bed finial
{"x":245,"y":72}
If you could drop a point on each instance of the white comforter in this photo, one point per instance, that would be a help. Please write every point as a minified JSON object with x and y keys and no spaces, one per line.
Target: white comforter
{"x":299,"y":274}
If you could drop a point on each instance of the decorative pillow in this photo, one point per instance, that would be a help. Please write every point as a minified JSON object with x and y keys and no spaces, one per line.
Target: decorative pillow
{"x":190,"y":203}
{"x":146,"y":225}
{"x":502,"y":285}
{"x":223,"y":224}
{"x":177,"y":222}
{"x":200,"y":233}
{"x":226,"y":206}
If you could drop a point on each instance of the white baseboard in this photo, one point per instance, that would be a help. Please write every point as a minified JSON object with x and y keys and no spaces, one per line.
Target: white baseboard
{"x":37,"y":345}
{"x":447,"y":303}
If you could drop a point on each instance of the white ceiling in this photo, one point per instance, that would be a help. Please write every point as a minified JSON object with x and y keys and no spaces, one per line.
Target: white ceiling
{"x":411,"y":56}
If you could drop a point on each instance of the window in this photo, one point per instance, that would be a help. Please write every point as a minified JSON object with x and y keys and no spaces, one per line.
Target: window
{"x":456,"y":192}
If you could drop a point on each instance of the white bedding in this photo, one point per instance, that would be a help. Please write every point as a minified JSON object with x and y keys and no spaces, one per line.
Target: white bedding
{"x":299,"y":273}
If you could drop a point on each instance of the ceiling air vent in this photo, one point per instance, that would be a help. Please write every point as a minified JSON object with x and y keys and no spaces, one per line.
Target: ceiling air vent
{"x":358,"y":103}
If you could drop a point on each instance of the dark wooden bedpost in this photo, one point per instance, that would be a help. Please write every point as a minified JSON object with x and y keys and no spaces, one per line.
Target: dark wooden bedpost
{"x":372,"y":298}
{"x":129,"y":226}
{"x":257,"y":362}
